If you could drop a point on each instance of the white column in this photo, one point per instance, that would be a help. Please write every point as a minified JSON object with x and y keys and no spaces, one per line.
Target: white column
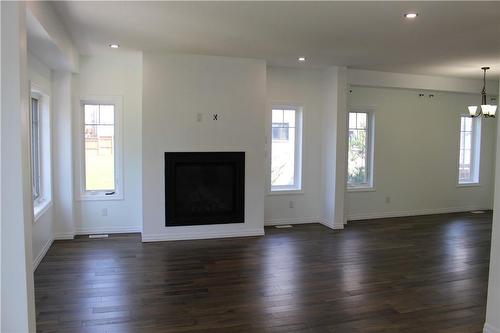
{"x":335,"y":147}
{"x":62,"y":150}
{"x":492,"y":324}
{"x":17,"y":291}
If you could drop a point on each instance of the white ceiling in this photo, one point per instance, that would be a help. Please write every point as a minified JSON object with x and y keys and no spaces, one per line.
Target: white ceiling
{"x":449,"y":38}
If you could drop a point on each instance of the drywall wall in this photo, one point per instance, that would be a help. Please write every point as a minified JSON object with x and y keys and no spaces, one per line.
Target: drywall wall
{"x":334,"y":131}
{"x":304,"y":88}
{"x":176,"y":88}
{"x":39,"y":75}
{"x":416,"y":154}
{"x":119,"y":75}
{"x":367,"y":78}
{"x":492,"y":324}
{"x":17,"y":290}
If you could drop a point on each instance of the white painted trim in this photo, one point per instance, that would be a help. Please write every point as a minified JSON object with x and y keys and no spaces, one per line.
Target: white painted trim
{"x":64,"y":236}
{"x":490,"y":329}
{"x":380,"y":215}
{"x":294,"y":220}
{"x":42,"y":253}
{"x":202,"y":235}
{"x":108,"y":230}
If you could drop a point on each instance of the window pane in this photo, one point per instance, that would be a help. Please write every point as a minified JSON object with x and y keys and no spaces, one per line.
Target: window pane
{"x":35,"y":148}
{"x":277,"y":116}
{"x":91,"y":114}
{"x":289,"y":117}
{"x":361,"y":120}
{"x":107,"y":114}
{"x":357,"y":157}
{"x":352,"y":120}
{"x":468,"y":163}
{"x":99,"y":148}
{"x":283,"y":161}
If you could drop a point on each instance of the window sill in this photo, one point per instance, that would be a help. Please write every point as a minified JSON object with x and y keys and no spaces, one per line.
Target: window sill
{"x":285,"y":192}
{"x":361,"y":189}
{"x":100,"y":197}
{"x":40,"y":208}
{"x":469,"y":185}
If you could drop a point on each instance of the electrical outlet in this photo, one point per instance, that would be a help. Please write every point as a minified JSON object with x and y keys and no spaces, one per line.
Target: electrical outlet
{"x":104,"y":212}
{"x":387,"y":200}
{"x":291,"y":204}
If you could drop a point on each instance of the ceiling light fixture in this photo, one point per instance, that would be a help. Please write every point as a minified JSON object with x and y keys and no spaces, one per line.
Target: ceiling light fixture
{"x":114,"y":46}
{"x":301,"y":59}
{"x":411,"y":15}
{"x":486,"y":110}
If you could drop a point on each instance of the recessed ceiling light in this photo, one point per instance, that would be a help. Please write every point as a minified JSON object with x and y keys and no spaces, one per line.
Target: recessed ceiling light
{"x":114,"y":46}
{"x":411,"y":15}
{"x":302,"y":59}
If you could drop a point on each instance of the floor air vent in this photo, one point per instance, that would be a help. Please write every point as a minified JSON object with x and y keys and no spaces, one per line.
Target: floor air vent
{"x":99,"y":236}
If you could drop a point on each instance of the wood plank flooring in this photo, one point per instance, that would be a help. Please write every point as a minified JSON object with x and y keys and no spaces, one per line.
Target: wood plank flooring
{"x":415,"y":274}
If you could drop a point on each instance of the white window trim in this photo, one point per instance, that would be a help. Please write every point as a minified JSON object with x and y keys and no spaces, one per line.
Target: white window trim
{"x":297,"y":188}
{"x":370,"y":186}
{"x":81,"y":194}
{"x":44,"y":201}
{"x":476,"y":153}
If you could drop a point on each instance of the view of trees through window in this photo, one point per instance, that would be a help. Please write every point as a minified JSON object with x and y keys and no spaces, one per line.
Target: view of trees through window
{"x":358,"y":149}
{"x":99,"y":147}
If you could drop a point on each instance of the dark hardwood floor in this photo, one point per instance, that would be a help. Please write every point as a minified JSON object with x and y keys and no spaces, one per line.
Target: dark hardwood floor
{"x":415,"y":274}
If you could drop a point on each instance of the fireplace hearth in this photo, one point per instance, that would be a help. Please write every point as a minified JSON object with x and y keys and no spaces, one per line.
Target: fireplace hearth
{"x":204,"y":188}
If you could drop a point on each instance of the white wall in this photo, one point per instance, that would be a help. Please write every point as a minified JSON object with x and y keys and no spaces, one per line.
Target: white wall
{"x":334,"y":123}
{"x":299,"y":87}
{"x":40,"y":76}
{"x":416,"y":154}
{"x":119,"y":75}
{"x":17,"y":290}
{"x":492,"y":324}
{"x":175,"y":89}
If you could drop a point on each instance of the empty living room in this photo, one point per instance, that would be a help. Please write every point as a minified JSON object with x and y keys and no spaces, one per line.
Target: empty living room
{"x":250,"y":166}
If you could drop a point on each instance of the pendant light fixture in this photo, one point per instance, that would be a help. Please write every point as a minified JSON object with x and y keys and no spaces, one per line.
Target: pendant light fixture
{"x":485,"y":110}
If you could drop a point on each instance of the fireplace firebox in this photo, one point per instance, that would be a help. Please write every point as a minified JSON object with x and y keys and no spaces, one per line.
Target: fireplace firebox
{"x":204,"y":188}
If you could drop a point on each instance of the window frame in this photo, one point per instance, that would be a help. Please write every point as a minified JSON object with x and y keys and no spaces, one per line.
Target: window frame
{"x":100,"y":195}
{"x":44,"y":199}
{"x":370,"y":153}
{"x":475,"y":152}
{"x":297,"y":187}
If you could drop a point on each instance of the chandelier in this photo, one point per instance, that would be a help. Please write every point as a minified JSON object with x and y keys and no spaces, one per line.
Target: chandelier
{"x":486,"y":110}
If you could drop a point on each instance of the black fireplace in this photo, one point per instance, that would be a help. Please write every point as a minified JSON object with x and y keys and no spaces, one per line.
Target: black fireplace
{"x":204,"y":188}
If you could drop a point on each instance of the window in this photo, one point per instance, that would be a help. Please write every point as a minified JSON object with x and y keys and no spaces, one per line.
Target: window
{"x":100,"y":174}
{"x":35,"y":148}
{"x":360,"y":150}
{"x":286,"y":149}
{"x":470,"y":143}
{"x":41,"y":173}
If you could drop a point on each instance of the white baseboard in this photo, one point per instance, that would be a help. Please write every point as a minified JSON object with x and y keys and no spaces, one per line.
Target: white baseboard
{"x":42,"y":253}
{"x":490,"y":329}
{"x":369,"y":216}
{"x":108,"y":230}
{"x":202,"y":235}
{"x":292,"y":221}
{"x":64,"y":236}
